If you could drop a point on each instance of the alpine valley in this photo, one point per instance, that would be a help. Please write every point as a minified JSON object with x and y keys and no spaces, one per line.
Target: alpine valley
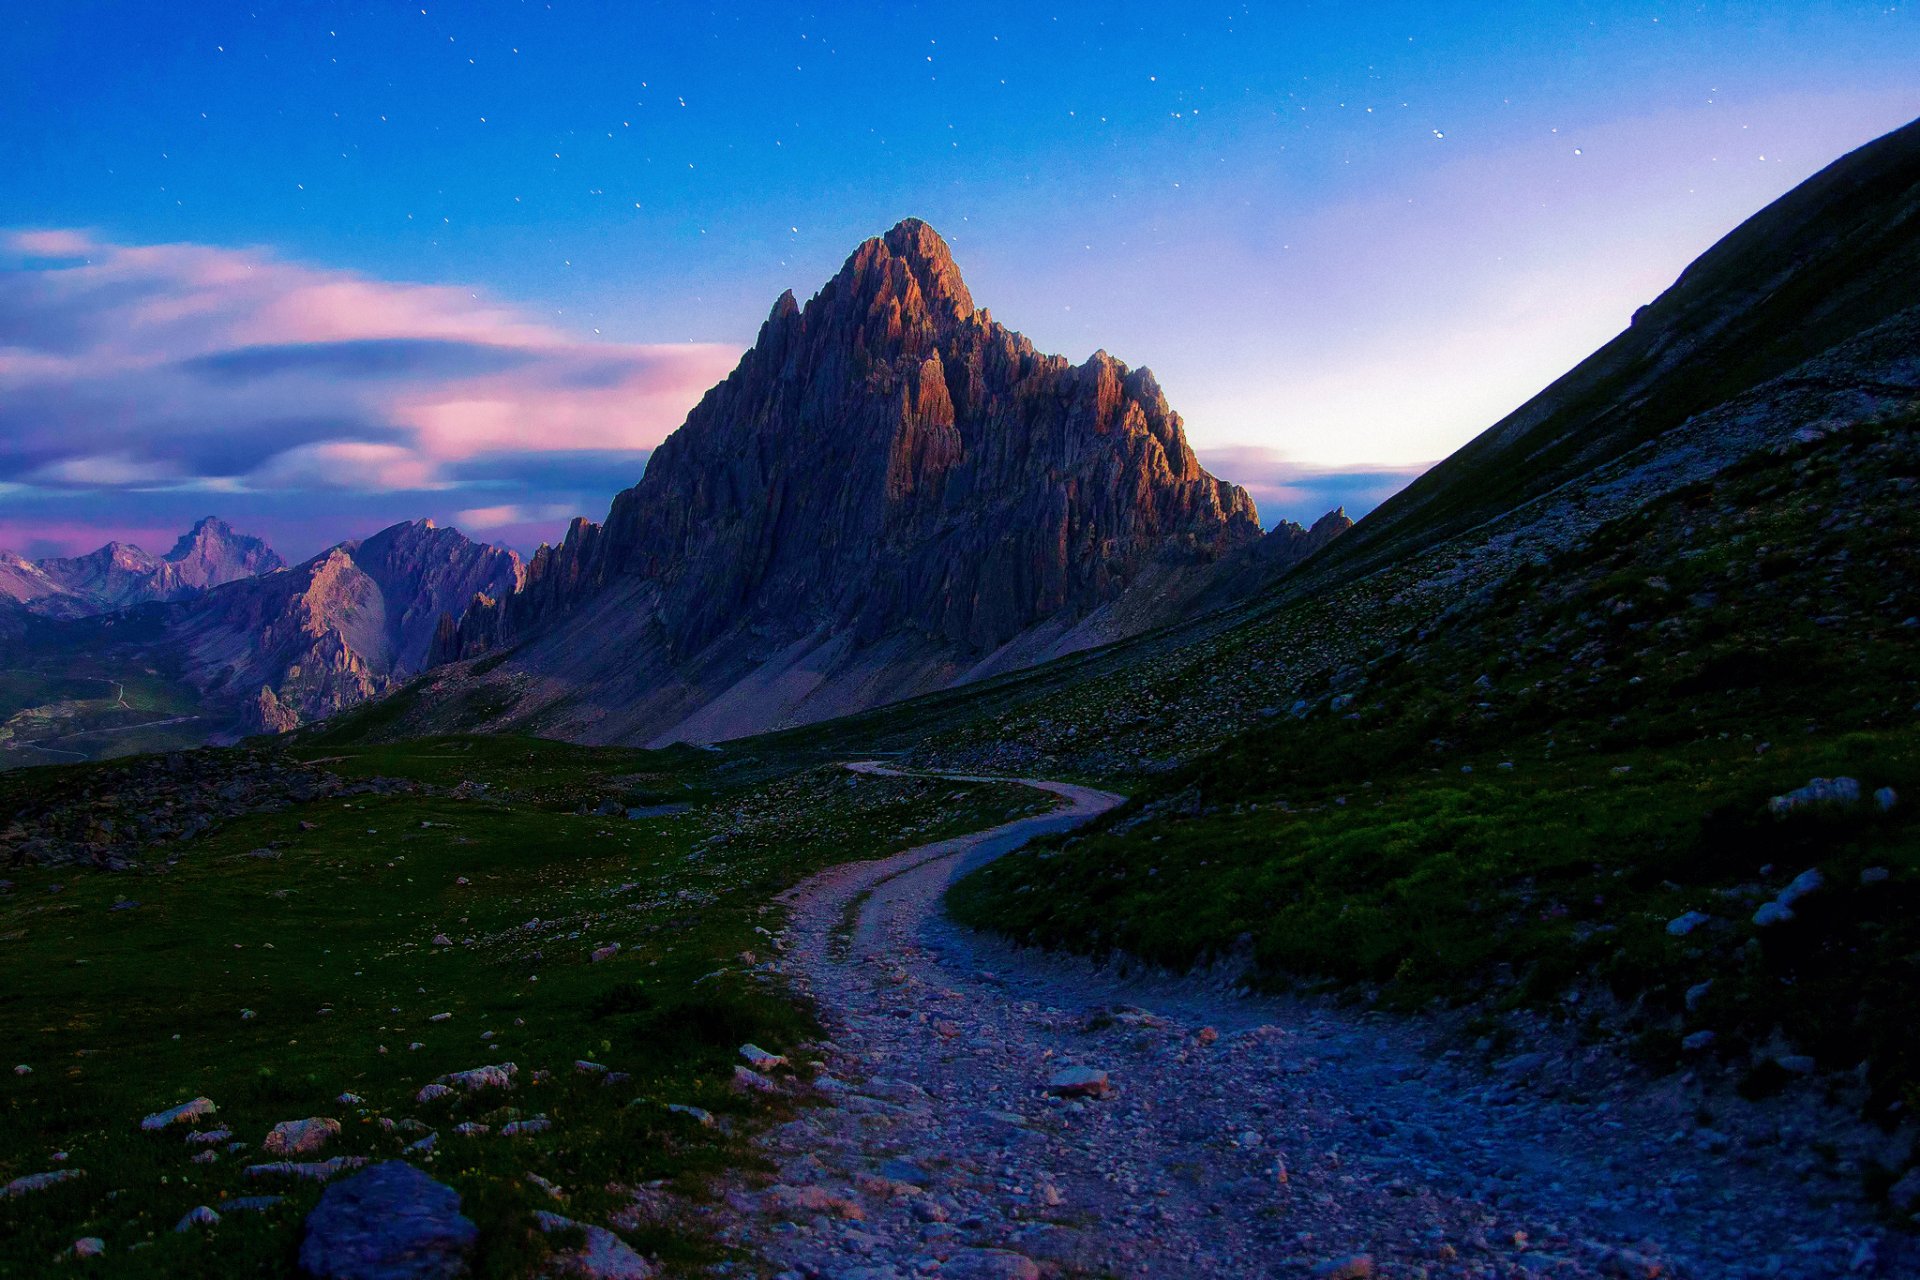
{"x":929,"y":829}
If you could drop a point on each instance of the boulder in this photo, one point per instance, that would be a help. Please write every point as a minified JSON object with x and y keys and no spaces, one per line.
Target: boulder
{"x":391,"y":1222}
{"x":300,"y":1137}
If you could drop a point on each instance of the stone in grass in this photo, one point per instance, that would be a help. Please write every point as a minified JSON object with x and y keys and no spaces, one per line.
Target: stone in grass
{"x":316,"y":1170}
{"x":746,"y":1080}
{"x":199,"y":1216}
{"x":525,"y":1128}
{"x":699,"y":1115}
{"x":38,"y":1182}
{"x":89,"y":1247}
{"x":1682,"y":925}
{"x":391,"y":1222}
{"x":496,"y":1076}
{"x":605,"y":1256}
{"x":989,"y":1264}
{"x":1079,"y":1082}
{"x":429,"y":1093}
{"x":209,"y":1137}
{"x":300,"y":1137}
{"x":759,"y":1059}
{"x":185,"y":1113}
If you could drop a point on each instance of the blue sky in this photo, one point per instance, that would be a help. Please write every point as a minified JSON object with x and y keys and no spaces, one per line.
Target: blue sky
{"x":1345,"y":238}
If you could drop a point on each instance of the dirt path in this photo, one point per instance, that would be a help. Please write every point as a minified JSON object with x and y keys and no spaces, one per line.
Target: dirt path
{"x":1241,"y":1137}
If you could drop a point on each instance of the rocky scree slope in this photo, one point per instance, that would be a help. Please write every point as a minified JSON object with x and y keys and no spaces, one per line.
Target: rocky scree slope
{"x":891,"y":493}
{"x":120,"y":575}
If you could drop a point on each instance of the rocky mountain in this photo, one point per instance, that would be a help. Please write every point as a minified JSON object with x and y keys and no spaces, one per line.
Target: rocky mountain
{"x":258,"y":654}
{"x":337,"y":630}
{"x":120,"y":575}
{"x":891,"y":493}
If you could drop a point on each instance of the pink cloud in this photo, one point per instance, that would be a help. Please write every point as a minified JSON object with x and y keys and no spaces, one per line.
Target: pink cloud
{"x":188,"y":367}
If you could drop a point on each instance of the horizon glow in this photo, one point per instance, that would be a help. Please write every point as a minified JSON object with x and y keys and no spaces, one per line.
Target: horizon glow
{"x":320,"y":268}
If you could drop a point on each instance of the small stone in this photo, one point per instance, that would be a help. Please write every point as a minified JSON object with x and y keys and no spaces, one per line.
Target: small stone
{"x":314,"y":1170}
{"x":349,"y":1099}
{"x":605,"y":1256}
{"x":803,"y":1202}
{"x":1358,"y":1266}
{"x":1079,"y":1082}
{"x":1771,"y":914}
{"x":1698,"y":1042}
{"x":23,"y":1070}
{"x":759,"y":1059}
{"x":430,"y":1093}
{"x":1875,"y":875}
{"x":392,"y":1222}
{"x":472,"y":1129}
{"x":746,"y":1080}
{"x":1681,"y":926}
{"x":442,"y":940}
{"x":1697,"y":993}
{"x":1886,"y":798}
{"x":495,"y":1076}
{"x":185,"y":1113}
{"x":39,"y":1182}
{"x":607,"y":952}
{"x":300,"y":1137}
{"x":1904,"y":1195}
{"x":1798,"y":1064}
{"x":989,"y":1264}
{"x":198,"y":1216}
{"x":525,"y":1128}
{"x":89,"y":1247}
{"x":586,"y":1068}
{"x":698,"y":1115}
{"x":439,"y":1017}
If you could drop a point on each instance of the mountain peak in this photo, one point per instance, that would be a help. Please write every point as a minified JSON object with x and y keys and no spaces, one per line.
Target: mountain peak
{"x":910,"y":267}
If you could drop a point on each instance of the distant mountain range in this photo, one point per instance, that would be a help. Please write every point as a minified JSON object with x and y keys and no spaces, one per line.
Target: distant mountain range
{"x":120,"y":575}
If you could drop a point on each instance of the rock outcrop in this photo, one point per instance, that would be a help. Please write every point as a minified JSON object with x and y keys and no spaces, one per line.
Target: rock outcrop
{"x":892,"y":492}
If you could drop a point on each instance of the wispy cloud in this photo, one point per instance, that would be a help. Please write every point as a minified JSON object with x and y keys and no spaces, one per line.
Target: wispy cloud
{"x":1286,"y":489}
{"x":138,"y":380}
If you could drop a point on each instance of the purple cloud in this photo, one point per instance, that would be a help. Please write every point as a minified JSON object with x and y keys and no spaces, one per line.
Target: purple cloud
{"x":184,"y":377}
{"x":1285,"y":489}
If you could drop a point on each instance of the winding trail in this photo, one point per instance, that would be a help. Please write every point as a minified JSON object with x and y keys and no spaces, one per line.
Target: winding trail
{"x":1241,"y":1137}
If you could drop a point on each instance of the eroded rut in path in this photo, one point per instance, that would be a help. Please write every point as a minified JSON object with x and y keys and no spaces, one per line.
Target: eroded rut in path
{"x":1239,"y":1137}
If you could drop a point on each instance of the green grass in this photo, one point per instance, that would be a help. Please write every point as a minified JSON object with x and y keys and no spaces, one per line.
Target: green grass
{"x":72,"y":708}
{"x":122,"y":1013}
{"x":1650,"y":690}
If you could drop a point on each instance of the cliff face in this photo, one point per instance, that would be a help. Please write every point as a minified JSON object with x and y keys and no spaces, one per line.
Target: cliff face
{"x":119,"y":576}
{"x":890,"y":492}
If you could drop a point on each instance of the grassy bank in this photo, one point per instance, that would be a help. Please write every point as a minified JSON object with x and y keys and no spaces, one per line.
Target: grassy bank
{"x":1512,"y":807}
